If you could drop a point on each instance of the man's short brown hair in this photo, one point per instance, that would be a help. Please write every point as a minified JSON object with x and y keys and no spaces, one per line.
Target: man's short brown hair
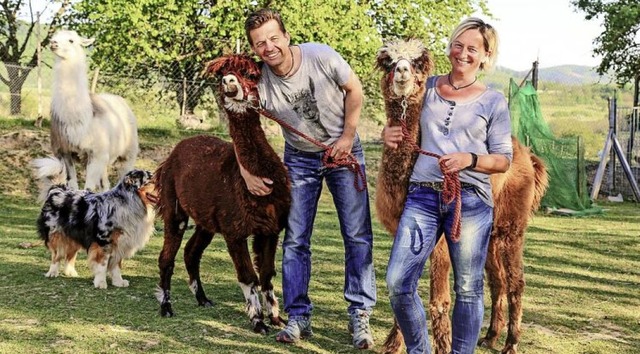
{"x":259,"y":18}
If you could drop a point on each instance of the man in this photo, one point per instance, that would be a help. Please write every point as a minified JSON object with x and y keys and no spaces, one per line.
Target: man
{"x":312,"y":88}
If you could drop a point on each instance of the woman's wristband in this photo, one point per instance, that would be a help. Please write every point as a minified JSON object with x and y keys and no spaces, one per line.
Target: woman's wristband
{"x":474,"y":161}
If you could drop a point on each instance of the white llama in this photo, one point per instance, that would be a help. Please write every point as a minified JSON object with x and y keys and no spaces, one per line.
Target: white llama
{"x":93,"y":129}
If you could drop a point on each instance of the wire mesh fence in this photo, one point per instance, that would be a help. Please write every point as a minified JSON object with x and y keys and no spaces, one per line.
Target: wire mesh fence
{"x":28,"y":93}
{"x":22,"y":93}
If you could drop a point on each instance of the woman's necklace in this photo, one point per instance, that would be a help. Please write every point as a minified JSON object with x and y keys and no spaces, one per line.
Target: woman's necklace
{"x":460,"y":87}
{"x":293,"y":64}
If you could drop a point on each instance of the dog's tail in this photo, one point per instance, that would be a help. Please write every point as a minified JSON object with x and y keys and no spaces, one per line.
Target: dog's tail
{"x":48,"y":171}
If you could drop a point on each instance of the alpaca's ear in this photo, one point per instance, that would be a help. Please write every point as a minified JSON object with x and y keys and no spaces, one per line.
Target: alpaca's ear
{"x":85,"y":42}
{"x":383,"y":60}
{"x":425,"y":62}
{"x":253,"y":70}
{"x":214,"y":67}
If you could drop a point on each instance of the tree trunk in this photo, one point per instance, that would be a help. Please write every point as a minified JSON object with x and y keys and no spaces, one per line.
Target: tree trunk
{"x":17,"y":76}
{"x":188,"y":95}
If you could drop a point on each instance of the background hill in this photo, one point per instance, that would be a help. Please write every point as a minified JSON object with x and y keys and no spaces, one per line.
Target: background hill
{"x":563,"y":74}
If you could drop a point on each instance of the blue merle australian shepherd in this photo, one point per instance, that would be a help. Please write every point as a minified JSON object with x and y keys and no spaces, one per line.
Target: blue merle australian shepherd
{"x":110,"y":226}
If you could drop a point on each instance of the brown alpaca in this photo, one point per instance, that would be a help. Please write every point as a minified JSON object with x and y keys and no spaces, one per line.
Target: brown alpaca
{"x":517,"y":193}
{"x":201,"y":180}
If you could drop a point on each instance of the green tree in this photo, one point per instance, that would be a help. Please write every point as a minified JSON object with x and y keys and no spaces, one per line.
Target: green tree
{"x":619,"y":43}
{"x":16,"y":55}
{"x":154,"y":40}
{"x":428,"y":20}
{"x":343,"y":25}
{"x":172,"y":39}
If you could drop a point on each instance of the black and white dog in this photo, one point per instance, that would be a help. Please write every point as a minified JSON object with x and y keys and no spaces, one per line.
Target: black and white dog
{"x":110,"y":226}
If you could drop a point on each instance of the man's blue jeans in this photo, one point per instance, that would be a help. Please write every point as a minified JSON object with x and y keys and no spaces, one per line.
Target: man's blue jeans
{"x":424,"y":219}
{"x":307,"y":173}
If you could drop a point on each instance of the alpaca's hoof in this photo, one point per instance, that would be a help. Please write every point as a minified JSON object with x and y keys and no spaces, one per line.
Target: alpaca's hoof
{"x":277,"y":321}
{"x":260,"y":328}
{"x":51,"y":274}
{"x":486,"y":343}
{"x":205,"y":303}
{"x":166,"y":311}
{"x":510,"y":349}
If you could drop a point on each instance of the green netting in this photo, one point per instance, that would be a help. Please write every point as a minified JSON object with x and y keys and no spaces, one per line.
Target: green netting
{"x":564,"y":157}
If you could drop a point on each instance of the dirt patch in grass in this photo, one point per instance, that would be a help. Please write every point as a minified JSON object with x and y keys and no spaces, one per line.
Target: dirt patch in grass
{"x":21,"y":146}
{"x":18,"y":149}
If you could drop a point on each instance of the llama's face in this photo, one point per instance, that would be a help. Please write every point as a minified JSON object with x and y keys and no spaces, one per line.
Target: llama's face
{"x":239,"y":81}
{"x":406,"y":65}
{"x":68,"y":45}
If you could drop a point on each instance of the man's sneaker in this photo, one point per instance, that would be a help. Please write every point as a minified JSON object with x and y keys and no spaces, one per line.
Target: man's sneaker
{"x":295,"y":330}
{"x":359,"y":328}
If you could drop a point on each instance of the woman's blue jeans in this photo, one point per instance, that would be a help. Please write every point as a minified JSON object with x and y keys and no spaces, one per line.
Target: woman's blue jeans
{"x":424,"y":219}
{"x":307,"y":173}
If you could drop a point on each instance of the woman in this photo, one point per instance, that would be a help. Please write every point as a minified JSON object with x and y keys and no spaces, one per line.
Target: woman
{"x":467,"y":124}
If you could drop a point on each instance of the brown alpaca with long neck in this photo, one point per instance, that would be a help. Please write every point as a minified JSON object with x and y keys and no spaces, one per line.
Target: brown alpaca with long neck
{"x":517,"y":194}
{"x":407,"y":65}
{"x":201,"y":180}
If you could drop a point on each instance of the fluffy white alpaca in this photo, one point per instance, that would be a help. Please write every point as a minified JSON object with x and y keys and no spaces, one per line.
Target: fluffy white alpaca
{"x":96,"y":130}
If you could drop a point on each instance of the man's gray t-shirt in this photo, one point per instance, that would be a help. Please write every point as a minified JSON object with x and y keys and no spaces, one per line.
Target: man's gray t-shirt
{"x":311,"y":100}
{"x":482,"y":125}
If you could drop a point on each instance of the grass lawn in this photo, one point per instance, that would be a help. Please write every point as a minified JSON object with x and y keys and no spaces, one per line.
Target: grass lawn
{"x":582,"y":294}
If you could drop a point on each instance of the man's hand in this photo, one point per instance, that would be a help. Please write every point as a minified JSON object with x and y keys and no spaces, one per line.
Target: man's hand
{"x":259,"y":186}
{"x":342,"y":147}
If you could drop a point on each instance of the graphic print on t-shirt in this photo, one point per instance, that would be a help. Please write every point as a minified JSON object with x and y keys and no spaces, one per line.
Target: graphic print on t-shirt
{"x":305,"y":105}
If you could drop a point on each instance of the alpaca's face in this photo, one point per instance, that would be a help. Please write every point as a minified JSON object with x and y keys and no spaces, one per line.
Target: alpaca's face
{"x":68,"y":45}
{"x":239,"y":81}
{"x":406,"y":64}
{"x":403,"y":78}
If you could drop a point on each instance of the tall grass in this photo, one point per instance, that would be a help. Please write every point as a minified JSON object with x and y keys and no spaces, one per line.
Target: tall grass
{"x":581,"y":296}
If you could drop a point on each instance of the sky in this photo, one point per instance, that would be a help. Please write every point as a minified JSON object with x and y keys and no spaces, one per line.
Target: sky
{"x":548,"y":30}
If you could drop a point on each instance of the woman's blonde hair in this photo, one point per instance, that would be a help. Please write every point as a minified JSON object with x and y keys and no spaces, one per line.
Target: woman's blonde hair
{"x":489,"y":35}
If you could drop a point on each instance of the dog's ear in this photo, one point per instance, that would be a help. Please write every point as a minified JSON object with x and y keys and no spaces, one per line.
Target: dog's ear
{"x":128,"y":180}
{"x":135,"y":179}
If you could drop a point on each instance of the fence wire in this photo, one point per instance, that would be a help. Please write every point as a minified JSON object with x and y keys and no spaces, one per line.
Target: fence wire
{"x":27,"y":92}
{"x":627,"y":129}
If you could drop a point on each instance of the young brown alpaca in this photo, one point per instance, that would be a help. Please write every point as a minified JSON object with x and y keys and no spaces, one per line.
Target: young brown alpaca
{"x":407,"y":66}
{"x":516,"y":194}
{"x":201,"y":180}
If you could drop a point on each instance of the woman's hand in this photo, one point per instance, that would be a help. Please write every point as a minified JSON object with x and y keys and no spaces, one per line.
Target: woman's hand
{"x":456,"y":161}
{"x":392,"y":136}
{"x":488,"y":163}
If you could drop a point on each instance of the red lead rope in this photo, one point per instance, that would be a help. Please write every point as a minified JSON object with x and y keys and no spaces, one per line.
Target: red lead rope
{"x":451,"y":189}
{"x":350,"y":161}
